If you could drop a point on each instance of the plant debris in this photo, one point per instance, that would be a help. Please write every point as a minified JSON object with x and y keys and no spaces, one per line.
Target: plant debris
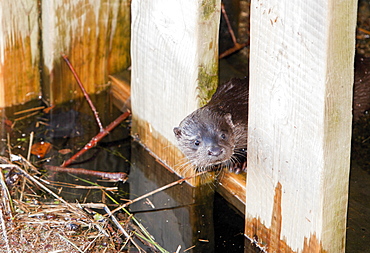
{"x":33,"y":218}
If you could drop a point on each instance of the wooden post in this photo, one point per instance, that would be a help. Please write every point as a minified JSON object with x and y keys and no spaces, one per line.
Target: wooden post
{"x":301,"y":75}
{"x":174,"y":68}
{"x":19,"y":52}
{"x":95,"y":36}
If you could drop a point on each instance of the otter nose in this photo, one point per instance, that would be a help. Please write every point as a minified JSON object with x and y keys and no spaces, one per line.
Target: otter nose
{"x":214,"y":151}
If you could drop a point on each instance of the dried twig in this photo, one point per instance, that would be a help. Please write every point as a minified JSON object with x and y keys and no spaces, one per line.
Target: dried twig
{"x":96,"y":114}
{"x":25,"y":117}
{"x":116,"y":176}
{"x":363,"y":30}
{"x":103,"y":131}
{"x":157,"y":190}
{"x":70,"y":243}
{"x":36,"y":214}
{"x":34,"y":180}
{"x":92,"y":143}
{"x":237,"y":46}
{"x":3,"y":226}
{"x":30,"y":110}
{"x":115,"y":221}
{"x":30,"y":145}
{"x":5,"y":196}
{"x":29,"y":165}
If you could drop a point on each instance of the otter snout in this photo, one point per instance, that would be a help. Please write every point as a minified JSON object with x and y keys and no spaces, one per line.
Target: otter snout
{"x":215,"y":151}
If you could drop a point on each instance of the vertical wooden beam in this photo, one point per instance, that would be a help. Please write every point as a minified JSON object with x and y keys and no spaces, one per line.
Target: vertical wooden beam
{"x":19,"y":52}
{"x":174,"y":53}
{"x":95,"y":36}
{"x":301,"y":75}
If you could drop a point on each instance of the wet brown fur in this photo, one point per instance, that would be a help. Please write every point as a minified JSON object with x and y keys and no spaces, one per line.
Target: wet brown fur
{"x":216,"y":134}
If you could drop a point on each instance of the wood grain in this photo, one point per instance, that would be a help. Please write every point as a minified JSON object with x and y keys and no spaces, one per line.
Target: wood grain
{"x":19,"y":52}
{"x":94,"y":35}
{"x":301,"y":75}
{"x":174,"y":68}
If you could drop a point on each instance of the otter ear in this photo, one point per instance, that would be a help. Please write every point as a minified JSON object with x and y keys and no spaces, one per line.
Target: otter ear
{"x":177,"y":131}
{"x":229,"y":119}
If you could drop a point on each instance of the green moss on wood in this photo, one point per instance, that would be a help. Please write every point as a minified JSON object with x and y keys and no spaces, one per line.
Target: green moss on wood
{"x":208,"y":81}
{"x":208,"y":9}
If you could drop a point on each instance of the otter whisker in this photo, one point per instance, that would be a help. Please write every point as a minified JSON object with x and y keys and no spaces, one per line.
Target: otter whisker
{"x":215,"y":135}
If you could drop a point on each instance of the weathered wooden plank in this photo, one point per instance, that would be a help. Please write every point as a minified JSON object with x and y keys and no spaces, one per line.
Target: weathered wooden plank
{"x":19,"y":52}
{"x":174,"y":68}
{"x":301,"y":75}
{"x":95,"y":36}
{"x":121,"y":90}
{"x":232,"y":189}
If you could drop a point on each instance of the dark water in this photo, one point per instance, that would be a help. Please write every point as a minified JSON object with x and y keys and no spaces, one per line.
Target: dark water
{"x":181,"y":216}
{"x":68,"y":128}
{"x":358,"y":221}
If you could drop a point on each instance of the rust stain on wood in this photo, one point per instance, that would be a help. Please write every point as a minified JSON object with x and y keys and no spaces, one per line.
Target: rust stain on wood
{"x":119,"y":50}
{"x":276,"y":220}
{"x":312,"y":245}
{"x":19,"y":73}
{"x":96,"y":40}
{"x":270,"y":238}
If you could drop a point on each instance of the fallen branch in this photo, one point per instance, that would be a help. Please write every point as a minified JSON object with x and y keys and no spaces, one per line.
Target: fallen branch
{"x":116,"y":176}
{"x":157,"y":190}
{"x":92,"y":143}
{"x":96,"y":114}
{"x":237,"y":46}
{"x":35,"y":181}
{"x":103,"y":131}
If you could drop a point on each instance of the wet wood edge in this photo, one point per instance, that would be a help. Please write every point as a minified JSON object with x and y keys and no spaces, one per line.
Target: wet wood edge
{"x":231,"y":186}
{"x":120,"y":90}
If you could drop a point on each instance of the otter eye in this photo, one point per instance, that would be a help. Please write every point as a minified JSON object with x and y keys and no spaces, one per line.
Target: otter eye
{"x":223,"y":136}
{"x":196,"y":143}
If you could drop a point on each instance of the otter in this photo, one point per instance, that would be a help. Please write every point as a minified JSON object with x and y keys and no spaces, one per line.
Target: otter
{"x":215,"y":135}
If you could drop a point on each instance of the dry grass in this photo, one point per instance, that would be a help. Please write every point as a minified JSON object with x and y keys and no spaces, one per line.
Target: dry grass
{"x":35,"y":219}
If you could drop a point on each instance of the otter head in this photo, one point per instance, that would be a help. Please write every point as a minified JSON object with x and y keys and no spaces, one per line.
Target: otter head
{"x":206,"y":138}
